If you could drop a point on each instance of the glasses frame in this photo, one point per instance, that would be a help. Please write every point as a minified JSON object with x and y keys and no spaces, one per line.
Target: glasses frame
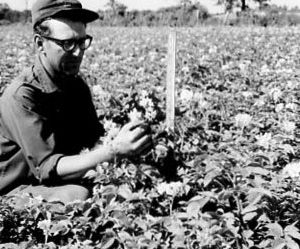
{"x":77,"y":42}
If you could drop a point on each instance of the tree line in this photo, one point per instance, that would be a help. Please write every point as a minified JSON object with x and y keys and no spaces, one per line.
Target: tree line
{"x":185,"y":13}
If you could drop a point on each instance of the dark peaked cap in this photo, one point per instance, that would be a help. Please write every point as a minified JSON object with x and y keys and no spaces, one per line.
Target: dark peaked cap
{"x":72,"y":9}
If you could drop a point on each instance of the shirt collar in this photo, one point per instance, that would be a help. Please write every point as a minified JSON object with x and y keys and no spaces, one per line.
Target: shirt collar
{"x":45,"y":82}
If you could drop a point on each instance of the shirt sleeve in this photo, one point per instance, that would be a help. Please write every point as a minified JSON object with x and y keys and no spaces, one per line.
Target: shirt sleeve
{"x":94,"y":128}
{"x":28,"y":128}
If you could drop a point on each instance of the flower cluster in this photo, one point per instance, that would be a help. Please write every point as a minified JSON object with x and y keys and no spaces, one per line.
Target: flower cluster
{"x":112,"y":129}
{"x":142,"y":106}
{"x":242,"y":120}
{"x":172,"y":189}
{"x":147,"y":102}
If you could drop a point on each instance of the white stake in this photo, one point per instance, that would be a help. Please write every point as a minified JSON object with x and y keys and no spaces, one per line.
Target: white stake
{"x":170,"y":113}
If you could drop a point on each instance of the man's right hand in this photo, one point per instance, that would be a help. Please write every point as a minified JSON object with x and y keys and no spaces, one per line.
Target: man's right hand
{"x":133,"y":139}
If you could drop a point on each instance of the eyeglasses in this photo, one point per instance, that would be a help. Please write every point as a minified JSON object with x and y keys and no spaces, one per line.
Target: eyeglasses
{"x":69,"y":45}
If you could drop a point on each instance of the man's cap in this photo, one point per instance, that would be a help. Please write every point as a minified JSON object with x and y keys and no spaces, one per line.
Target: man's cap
{"x":43,"y":9}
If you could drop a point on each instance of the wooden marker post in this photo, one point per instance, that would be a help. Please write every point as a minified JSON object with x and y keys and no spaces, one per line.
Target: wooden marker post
{"x":170,"y":119}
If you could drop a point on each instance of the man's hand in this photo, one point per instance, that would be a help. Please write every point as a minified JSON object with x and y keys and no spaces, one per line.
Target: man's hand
{"x":134,"y":138}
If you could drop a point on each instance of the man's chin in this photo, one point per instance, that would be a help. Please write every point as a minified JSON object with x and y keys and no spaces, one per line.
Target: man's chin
{"x":71,"y":71}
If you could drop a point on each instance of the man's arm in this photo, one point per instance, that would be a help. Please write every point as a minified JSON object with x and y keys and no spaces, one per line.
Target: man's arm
{"x":131,"y":140}
{"x":28,"y":129}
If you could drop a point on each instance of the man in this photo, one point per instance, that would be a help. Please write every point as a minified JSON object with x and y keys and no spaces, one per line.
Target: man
{"x":47,"y":116}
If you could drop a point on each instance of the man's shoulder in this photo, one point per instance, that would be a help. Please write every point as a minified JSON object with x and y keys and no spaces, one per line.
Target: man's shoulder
{"x":20,"y":84}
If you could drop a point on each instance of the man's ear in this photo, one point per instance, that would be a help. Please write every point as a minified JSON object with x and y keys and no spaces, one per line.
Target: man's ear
{"x":39,"y":43}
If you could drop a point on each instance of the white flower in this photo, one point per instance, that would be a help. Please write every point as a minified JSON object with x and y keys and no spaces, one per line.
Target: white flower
{"x":185,"y":69}
{"x":276,"y":94}
{"x":198,"y":96}
{"x":135,"y":115}
{"x":292,"y":169}
{"x":290,"y":84}
{"x":97,"y":90}
{"x":242,"y":120}
{"x":161,"y":151}
{"x":186,"y":95}
{"x":247,"y":94}
{"x":260,"y":102}
{"x":112,"y":130}
{"x":146,"y":102}
{"x":171,"y":189}
{"x":225,"y":67}
{"x":109,"y":124}
{"x":288,"y":126}
{"x":243,"y":67}
{"x":150,"y":114}
{"x":203,"y":104}
{"x":280,"y":62}
{"x":45,"y":225}
{"x":264,"y":140}
{"x":212,"y":50}
{"x":291,"y":106}
{"x":200,"y":100}
{"x":144,"y":93}
{"x":279,"y":107}
{"x":265,"y":69}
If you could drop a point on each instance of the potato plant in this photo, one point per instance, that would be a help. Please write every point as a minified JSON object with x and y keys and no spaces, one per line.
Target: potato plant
{"x":218,"y":181}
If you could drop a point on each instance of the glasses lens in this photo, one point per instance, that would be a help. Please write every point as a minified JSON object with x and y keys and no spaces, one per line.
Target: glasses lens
{"x":69,"y":45}
{"x":85,"y":43}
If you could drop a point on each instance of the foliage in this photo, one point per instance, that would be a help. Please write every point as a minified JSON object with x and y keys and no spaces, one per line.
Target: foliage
{"x":230,"y":4}
{"x":269,"y":16}
{"x":8,"y":15}
{"x":186,"y":13}
{"x":181,"y":15}
{"x":237,"y":127}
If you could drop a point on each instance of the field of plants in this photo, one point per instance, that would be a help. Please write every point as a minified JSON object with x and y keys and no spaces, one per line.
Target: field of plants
{"x":217,"y":181}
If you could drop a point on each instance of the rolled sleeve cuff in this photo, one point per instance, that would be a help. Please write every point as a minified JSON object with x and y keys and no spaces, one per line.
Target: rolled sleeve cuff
{"x":48,"y":171}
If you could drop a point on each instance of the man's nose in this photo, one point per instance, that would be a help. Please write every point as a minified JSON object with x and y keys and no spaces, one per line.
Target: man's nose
{"x":77,"y":51}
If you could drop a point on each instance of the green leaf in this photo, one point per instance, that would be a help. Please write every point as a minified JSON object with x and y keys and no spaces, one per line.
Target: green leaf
{"x":109,"y":190}
{"x":258,"y":171}
{"x":125,"y":192}
{"x":124,"y":236}
{"x":279,"y":244}
{"x":275,"y":230}
{"x":109,"y":243}
{"x":247,"y":234}
{"x":261,"y":191}
{"x":249,"y":216}
{"x":249,"y":209}
{"x":212,"y":173}
{"x":292,"y":231}
{"x":62,"y":227}
{"x":292,"y":244}
{"x":195,"y":205}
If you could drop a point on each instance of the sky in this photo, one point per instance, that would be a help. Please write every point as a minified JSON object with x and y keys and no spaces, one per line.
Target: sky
{"x":144,"y":4}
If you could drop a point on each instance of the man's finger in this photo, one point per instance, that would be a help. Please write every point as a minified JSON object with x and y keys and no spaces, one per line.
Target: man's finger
{"x":136,"y":124}
{"x":146,"y":148}
{"x":139,"y":132}
{"x":143,"y":143}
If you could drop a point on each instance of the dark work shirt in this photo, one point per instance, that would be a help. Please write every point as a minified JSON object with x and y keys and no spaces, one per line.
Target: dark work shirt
{"x":42,"y":120}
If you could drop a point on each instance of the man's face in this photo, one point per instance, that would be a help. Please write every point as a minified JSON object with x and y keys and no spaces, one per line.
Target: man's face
{"x":60,"y":61}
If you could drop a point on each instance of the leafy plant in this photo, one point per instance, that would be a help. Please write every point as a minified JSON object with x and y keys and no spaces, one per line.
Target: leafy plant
{"x":215,"y":182}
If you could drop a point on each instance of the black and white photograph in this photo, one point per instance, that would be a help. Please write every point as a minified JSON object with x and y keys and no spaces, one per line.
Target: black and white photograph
{"x":149,"y":124}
